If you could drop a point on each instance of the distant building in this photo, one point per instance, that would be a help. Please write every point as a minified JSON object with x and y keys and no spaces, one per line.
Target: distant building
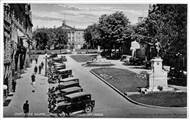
{"x":75,"y":36}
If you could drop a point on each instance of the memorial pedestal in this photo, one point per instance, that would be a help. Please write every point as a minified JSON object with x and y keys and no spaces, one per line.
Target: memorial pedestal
{"x":157,"y":77}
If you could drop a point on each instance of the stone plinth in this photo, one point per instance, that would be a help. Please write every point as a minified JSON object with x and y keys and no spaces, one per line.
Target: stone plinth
{"x":99,"y":61}
{"x":157,"y":77}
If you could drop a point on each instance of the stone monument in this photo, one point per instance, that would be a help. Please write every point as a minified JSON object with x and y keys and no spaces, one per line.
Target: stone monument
{"x":134,"y":46}
{"x":157,"y":76}
{"x":99,"y":61}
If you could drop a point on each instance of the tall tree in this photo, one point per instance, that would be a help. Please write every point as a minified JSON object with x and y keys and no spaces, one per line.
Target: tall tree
{"x":168,"y":23}
{"x":92,"y":36}
{"x":50,"y":37}
{"x":111,"y":29}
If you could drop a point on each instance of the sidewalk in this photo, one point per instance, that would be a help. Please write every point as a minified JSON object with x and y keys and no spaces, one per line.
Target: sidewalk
{"x":37,"y":100}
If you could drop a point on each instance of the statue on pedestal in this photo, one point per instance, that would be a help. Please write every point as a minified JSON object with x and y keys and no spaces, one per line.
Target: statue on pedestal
{"x":134,"y":46}
{"x":158,"y":48}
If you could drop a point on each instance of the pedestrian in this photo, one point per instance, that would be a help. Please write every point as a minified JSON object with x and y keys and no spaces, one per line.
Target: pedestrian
{"x":35,"y":69}
{"x":36,"y":60}
{"x":33,"y":78}
{"x":14,"y":85}
{"x":26,"y":108}
{"x":42,"y":64}
{"x":39,"y":68}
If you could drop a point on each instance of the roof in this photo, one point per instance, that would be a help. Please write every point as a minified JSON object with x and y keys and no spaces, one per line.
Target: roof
{"x":70,"y":89}
{"x":72,"y":28}
{"x":68,"y":83}
{"x":63,"y":70}
{"x":77,"y":94}
{"x":69,"y":78}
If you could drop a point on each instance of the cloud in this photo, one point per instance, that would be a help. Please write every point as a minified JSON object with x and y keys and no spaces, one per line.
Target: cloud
{"x":46,"y":18}
{"x":82,"y":14}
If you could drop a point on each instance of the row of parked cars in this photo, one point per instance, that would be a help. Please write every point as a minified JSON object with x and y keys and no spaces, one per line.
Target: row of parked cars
{"x":67,"y":96}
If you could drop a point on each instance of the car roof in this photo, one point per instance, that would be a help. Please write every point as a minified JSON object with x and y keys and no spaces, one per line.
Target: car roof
{"x":71,"y":89}
{"x":69,"y":78}
{"x":57,"y":63}
{"x":68,"y":83}
{"x":78,"y":94}
{"x":62,"y":70}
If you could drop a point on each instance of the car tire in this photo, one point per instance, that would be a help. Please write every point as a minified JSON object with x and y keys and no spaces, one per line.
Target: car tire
{"x":61,"y":114}
{"x":88,"y":109}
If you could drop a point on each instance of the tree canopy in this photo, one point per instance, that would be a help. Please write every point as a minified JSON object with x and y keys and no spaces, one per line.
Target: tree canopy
{"x":50,"y":37}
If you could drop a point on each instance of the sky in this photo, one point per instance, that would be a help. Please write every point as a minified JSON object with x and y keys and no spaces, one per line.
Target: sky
{"x":82,"y":15}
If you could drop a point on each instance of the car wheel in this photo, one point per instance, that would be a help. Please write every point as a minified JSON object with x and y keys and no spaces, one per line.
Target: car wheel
{"x":61,"y":114}
{"x":88,"y":109}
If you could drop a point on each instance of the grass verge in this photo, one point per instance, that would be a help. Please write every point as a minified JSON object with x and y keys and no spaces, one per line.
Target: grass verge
{"x":127,"y":81}
{"x":165,"y":99}
{"x":123,"y":80}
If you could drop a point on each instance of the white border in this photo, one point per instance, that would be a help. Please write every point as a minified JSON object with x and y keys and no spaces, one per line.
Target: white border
{"x":81,"y":2}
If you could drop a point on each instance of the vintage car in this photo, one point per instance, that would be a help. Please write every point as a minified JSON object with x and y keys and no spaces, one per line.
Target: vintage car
{"x":60,"y":59}
{"x":75,"y":102}
{"x":52,"y":55}
{"x":64,"y":85}
{"x":64,"y":73}
{"x":66,"y":91}
{"x":60,"y":67}
{"x":55,"y":64}
{"x":69,"y":79}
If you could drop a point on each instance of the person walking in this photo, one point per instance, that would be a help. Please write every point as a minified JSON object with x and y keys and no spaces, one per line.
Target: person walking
{"x":39,"y":68}
{"x":14,"y":85}
{"x":36,"y":60}
{"x":35,"y":69}
{"x":33,"y":77}
{"x":26,"y":108}
{"x":42,"y":64}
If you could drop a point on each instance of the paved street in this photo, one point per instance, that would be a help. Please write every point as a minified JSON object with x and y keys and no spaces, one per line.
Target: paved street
{"x":108,"y":103}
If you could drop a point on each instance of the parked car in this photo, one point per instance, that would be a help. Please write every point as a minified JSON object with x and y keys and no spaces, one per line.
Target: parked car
{"x":60,"y":59}
{"x":66,"y":91}
{"x":69,"y":79}
{"x":64,"y":73}
{"x":52,"y":55}
{"x":75,"y":102}
{"x":59,"y":96}
{"x":68,"y":84}
{"x":60,"y":67}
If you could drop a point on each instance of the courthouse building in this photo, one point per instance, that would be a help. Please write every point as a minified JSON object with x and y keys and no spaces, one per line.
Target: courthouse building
{"x":17,"y":39}
{"x":75,"y":36}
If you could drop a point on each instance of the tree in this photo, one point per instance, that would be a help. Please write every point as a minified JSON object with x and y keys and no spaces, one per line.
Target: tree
{"x":168,"y":24}
{"x":50,"y":37}
{"x":41,"y":38}
{"x":92,"y":36}
{"x":111,"y":30}
{"x":61,"y":38}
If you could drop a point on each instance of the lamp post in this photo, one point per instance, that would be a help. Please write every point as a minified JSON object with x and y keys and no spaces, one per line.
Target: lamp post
{"x":46,"y":63}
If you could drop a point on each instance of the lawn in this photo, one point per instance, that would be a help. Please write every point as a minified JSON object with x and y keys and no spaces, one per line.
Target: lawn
{"x":127,"y":81}
{"x":123,"y":80}
{"x":82,"y":58}
{"x":166,"y":99}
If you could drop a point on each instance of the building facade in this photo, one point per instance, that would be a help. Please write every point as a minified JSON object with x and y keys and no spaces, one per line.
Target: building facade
{"x":17,"y":39}
{"x":75,"y":36}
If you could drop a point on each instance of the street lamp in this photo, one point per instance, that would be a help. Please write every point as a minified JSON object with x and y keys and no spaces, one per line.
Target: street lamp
{"x":46,"y":63}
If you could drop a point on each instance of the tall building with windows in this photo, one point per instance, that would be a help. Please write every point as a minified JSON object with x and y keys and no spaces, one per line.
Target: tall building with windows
{"x":17,"y":39}
{"x":75,"y":36}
